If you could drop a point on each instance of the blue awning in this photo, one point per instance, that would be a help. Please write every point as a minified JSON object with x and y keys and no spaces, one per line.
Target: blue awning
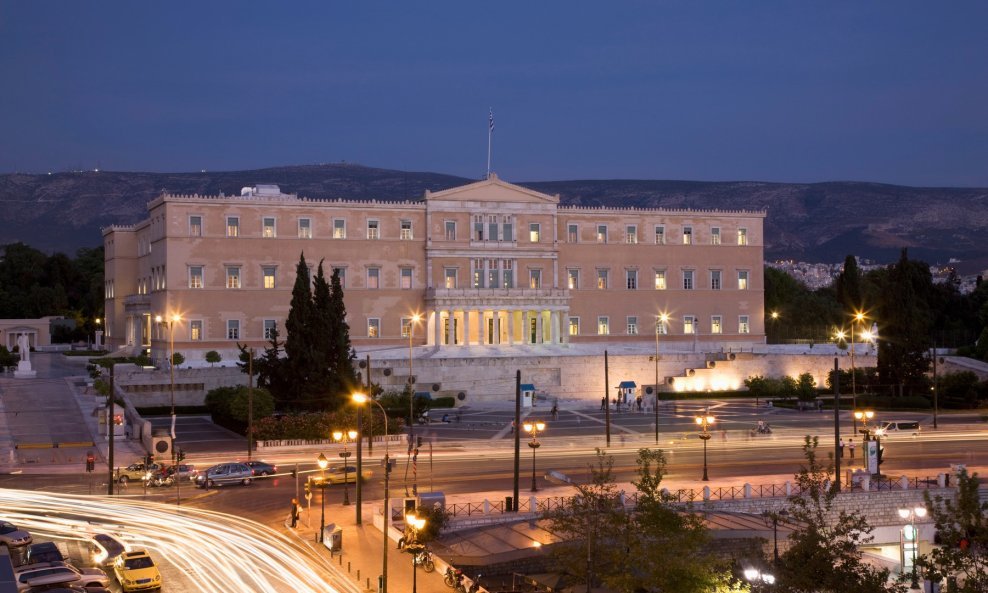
{"x":527,"y":387}
{"x":627,"y":385}
{"x":423,"y":394}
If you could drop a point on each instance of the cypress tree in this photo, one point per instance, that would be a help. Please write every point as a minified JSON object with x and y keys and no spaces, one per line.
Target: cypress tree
{"x":299,"y":340}
{"x":847,"y":285}
{"x":341,"y":351}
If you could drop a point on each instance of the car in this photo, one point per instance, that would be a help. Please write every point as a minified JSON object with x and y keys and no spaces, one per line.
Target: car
{"x":105,"y":549}
{"x":44,"y":552}
{"x":262,"y":468}
{"x":136,"y":571}
{"x":337,"y":474}
{"x":135,"y":472}
{"x":48,"y":573}
{"x":65,"y":588}
{"x":12,"y":537}
{"x":898,"y":427}
{"x":225,"y":473}
{"x":186,"y":471}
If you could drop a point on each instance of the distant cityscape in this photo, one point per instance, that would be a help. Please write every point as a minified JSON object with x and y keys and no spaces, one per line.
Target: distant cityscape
{"x":817,"y":275}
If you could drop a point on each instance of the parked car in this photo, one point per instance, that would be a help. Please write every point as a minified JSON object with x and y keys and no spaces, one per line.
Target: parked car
{"x":135,"y":472}
{"x":12,"y":537}
{"x":105,"y":549}
{"x":262,"y":468}
{"x":49,"y":573}
{"x":337,"y":474}
{"x":65,"y":588}
{"x":185,"y":471}
{"x":136,"y":571}
{"x":225,"y":473}
{"x":898,"y":427}
{"x":44,"y":552}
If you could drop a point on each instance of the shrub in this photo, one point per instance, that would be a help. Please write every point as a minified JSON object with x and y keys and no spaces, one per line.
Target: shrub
{"x":212,"y":357}
{"x":178,"y":358}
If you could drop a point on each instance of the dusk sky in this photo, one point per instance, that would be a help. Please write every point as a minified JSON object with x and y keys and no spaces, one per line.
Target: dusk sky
{"x":893,"y":92}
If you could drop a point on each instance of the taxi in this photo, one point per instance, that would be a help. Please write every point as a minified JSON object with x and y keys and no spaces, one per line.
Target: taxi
{"x":136,"y":571}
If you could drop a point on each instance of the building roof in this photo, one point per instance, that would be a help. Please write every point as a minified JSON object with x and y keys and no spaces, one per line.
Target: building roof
{"x":627,"y":385}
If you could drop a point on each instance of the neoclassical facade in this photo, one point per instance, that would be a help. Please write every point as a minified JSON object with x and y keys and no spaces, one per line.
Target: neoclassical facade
{"x":489,"y":263}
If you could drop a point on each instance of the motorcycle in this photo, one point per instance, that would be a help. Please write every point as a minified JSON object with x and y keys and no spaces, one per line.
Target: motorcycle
{"x":424,"y":559}
{"x":453,"y":578}
{"x":158,"y":479}
{"x":475,"y":585}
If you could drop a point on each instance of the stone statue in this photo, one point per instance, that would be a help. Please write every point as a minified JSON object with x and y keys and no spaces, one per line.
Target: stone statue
{"x":24,"y":347}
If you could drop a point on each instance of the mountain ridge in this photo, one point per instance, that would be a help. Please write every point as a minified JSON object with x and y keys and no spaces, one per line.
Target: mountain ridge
{"x":822,"y":221}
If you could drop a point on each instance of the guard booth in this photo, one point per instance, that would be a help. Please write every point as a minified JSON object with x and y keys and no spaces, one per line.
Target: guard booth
{"x":527,"y":395}
{"x":626,"y":392}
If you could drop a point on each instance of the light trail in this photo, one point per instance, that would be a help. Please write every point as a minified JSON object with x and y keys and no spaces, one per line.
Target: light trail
{"x":217,"y":552}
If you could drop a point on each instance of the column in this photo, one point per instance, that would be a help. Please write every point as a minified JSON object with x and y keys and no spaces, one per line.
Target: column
{"x":539,"y":336}
{"x":497,"y":327}
{"x":462,"y":329}
{"x":554,"y":326}
{"x":511,"y":326}
{"x":481,"y":328}
{"x":437,"y":328}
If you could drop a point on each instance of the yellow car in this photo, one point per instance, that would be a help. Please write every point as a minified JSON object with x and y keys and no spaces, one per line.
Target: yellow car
{"x":337,"y":474}
{"x":136,"y":571}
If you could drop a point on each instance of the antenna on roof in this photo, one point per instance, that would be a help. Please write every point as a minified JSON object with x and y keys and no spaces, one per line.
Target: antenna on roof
{"x":490,"y":135}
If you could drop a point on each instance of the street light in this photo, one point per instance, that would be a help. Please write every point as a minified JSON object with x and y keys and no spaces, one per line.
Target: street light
{"x":416,"y":523}
{"x":345,"y":437}
{"x":864,"y":416}
{"x":96,"y":331}
{"x":411,"y":383}
{"x":775,"y":517}
{"x":360,"y":398}
{"x":910,"y":515}
{"x":534,"y":428}
{"x":660,"y":323}
{"x":704,"y":422}
{"x":858,"y":319}
{"x":171,"y":321}
{"x":323,"y":462}
{"x":755,"y":576}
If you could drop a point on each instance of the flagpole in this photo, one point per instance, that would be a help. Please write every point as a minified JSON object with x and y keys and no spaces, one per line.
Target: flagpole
{"x":490,"y":134}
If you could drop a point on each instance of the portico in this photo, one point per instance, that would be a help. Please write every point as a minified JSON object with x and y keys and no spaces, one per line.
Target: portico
{"x":468,"y":317}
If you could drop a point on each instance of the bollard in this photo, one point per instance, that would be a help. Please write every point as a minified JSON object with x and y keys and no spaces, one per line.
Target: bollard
{"x":487,"y":507}
{"x":904,"y":482}
{"x":866,"y":482}
{"x":788,"y":488}
{"x":706,"y":493}
{"x":941,"y":480}
{"x":348,"y":567}
{"x":747,"y":490}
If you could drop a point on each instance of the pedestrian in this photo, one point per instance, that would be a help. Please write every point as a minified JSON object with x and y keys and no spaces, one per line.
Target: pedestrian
{"x":840,"y":447}
{"x":294,"y":511}
{"x":512,"y":427}
{"x":555,"y":411}
{"x":638,"y":402}
{"x":603,"y":403}
{"x":850,"y":444}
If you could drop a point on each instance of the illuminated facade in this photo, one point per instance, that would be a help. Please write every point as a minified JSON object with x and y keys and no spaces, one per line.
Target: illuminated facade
{"x":489,"y":263}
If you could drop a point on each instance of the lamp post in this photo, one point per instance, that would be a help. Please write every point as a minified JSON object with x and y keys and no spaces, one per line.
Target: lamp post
{"x":345,"y":437}
{"x":704,"y":422}
{"x":534,"y":428}
{"x":96,"y":331}
{"x":757,"y":577}
{"x":858,"y":319}
{"x":323,"y":462}
{"x":361,"y":399}
{"x":416,"y":523}
{"x":864,"y":416}
{"x":171,"y":321}
{"x":411,"y":383}
{"x":775,"y":517}
{"x":910,"y":515}
{"x":660,"y":324}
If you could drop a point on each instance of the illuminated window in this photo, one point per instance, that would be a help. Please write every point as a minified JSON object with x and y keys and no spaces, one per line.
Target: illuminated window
{"x":602,"y":279}
{"x":233,"y":277}
{"x":742,"y":236}
{"x":373,"y":229}
{"x":573,"y":279}
{"x":602,"y":233}
{"x":660,"y":280}
{"x":195,"y":330}
{"x":743,"y":327}
{"x":716,"y":325}
{"x":406,"y":327}
{"x":339,"y":228}
{"x":268,"y":272}
{"x":534,"y":232}
{"x":342,"y":275}
{"x":450,"y":277}
{"x":743,"y":280}
{"x":195,"y":276}
{"x":603,"y":326}
{"x":689,"y":324}
{"x":715,"y":236}
{"x":631,"y":234}
{"x":373,"y":328}
{"x":687,"y":235}
{"x":535,"y":278}
{"x":574,"y":326}
{"x":406,"y":230}
{"x":304,"y":228}
{"x":267,"y":227}
{"x":660,"y":235}
{"x":232,"y":226}
{"x":195,"y":226}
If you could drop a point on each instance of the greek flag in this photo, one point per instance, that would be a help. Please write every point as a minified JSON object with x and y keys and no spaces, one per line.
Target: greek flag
{"x":490,"y":121}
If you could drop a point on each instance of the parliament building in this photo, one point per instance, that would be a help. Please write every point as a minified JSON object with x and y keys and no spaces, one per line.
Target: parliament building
{"x":487,"y":264}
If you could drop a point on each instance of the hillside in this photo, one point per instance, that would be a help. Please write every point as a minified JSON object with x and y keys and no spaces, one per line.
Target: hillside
{"x":812,"y":222}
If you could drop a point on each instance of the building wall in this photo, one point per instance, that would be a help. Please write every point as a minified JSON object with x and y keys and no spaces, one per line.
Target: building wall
{"x":206,"y":258}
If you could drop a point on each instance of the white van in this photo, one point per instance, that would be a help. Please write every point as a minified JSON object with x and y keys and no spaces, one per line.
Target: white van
{"x":898,"y":427}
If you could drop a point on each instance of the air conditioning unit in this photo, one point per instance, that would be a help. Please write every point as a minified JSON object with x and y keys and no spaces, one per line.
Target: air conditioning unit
{"x":711,"y":364}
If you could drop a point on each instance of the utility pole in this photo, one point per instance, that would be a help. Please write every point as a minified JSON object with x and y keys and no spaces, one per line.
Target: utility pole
{"x":607,"y":402}
{"x":370,"y":414}
{"x":837,"y":422}
{"x":360,"y":460}
{"x":250,"y":403}
{"x":516,"y":430}
{"x":110,"y":429}
{"x":936,"y":387}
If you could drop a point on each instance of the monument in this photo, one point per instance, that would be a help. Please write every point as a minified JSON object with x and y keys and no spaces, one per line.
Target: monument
{"x":24,"y":370}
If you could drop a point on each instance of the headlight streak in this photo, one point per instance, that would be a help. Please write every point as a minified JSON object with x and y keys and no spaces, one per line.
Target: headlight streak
{"x":217,"y":552}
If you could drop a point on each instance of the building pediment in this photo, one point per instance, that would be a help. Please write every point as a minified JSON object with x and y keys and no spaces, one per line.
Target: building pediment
{"x":492,"y":190}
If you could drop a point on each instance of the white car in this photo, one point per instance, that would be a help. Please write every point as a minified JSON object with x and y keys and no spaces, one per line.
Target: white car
{"x":12,"y":537}
{"x":48,"y":573}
